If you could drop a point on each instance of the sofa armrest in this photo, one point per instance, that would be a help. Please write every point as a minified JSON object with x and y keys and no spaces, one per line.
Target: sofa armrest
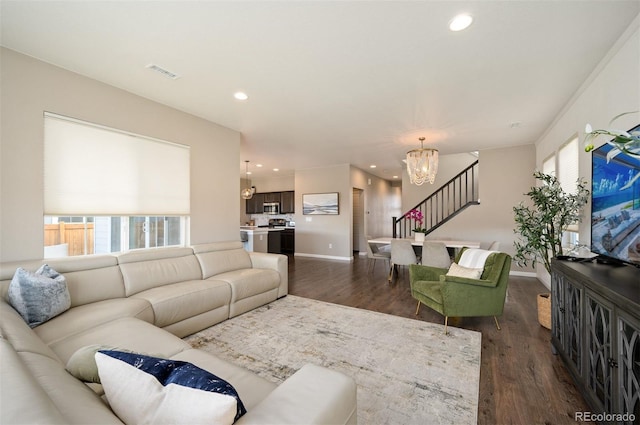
{"x":277,"y":262}
{"x":313,"y":395}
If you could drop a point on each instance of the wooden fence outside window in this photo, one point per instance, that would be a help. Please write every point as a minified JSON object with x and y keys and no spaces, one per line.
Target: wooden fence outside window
{"x":72,"y":234}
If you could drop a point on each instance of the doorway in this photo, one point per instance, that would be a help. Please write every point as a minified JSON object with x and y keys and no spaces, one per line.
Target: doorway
{"x":358,"y":237}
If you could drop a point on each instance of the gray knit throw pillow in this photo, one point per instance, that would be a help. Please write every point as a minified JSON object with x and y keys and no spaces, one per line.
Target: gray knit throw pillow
{"x":39,"y":296}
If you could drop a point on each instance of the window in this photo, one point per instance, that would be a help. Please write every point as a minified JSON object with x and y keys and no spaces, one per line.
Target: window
{"x":568,"y":157}
{"x":110,"y":191}
{"x":564,"y":165}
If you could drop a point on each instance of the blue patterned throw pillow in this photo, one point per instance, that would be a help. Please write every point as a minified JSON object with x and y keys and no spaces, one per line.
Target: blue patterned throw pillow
{"x":38,"y":296}
{"x":144,"y":389}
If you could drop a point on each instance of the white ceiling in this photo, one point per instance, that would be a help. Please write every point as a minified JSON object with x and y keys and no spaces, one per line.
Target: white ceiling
{"x":336,"y":82}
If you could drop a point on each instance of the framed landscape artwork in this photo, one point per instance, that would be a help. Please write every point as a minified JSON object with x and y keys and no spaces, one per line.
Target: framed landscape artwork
{"x":320,"y":203}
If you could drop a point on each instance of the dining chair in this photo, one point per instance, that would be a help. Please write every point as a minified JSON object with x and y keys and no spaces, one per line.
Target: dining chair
{"x":374,"y":253}
{"x":435,"y":254}
{"x":402,"y":254}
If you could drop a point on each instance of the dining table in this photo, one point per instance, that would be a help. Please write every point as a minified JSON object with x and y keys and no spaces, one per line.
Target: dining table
{"x":450,"y":243}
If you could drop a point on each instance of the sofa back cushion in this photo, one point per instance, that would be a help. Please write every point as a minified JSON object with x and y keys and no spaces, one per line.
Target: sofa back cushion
{"x":148,"y":269}
{"x":221,"y":257}
{"x":89,"y":278}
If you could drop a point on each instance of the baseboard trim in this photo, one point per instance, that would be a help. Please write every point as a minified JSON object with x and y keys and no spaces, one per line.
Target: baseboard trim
{"x":326,"y":257}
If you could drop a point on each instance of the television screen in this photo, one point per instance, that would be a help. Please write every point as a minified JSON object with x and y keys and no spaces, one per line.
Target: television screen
{"x":615,"y":205}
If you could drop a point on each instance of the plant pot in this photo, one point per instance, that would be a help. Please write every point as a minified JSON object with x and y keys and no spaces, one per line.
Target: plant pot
{"x":419,"y":237}
{"x":544,"y":310}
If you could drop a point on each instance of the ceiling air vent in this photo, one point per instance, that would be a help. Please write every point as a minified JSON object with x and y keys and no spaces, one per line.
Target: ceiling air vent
{"x":163,"y":71}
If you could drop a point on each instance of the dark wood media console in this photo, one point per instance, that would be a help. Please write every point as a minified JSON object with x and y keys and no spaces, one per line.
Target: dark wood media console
{"x":595,"y":310}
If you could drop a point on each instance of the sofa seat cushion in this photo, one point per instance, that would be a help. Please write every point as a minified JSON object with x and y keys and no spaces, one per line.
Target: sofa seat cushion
{"x":246,"y":283}
{"x":180,"y":301}
{"x":251,"y":388}
{"x":88,"y":316}
{"x":127,"y":333}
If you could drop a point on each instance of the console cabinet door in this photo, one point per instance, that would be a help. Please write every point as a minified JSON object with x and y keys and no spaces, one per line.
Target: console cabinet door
{"x":600,"y":363}
{"x":573,"y":326}
{"x":558,"y":308}
{"x":628,"y":364}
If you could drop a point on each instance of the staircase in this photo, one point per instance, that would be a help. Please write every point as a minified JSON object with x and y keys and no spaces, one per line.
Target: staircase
{"x":443,"y":204}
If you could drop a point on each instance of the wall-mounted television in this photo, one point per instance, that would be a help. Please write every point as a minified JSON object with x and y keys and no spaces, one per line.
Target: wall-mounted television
{"x":615,"y":205}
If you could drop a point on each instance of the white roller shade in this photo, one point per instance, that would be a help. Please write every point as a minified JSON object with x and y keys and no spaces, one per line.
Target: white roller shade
{"x":568,"y":166}
{"x":93,"y":170}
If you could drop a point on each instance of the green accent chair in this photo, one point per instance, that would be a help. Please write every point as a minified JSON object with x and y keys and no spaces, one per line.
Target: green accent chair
{"x":454,"y":296}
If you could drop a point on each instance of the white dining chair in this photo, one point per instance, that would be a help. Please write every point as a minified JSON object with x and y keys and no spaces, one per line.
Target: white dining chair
{"x":402,"y":254}
{"x":435,"y":254}
{"x":373,"y":254}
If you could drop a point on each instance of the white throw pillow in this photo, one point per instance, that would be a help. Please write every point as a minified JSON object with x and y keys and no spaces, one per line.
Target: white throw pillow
{"x":38,"y":296}
{"x":148,"y":390}
{"x":459,"y":271}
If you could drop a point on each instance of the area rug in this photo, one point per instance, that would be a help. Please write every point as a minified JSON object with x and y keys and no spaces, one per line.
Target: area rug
{"x":407,"y":371}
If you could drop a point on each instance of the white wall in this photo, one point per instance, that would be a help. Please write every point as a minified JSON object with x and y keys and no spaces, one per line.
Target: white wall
{"x":324,"y":236}
{"x":30,"y":87}
{"x":381,"y":203}
{"x":505,"y":175}
{"x":613,"y":88}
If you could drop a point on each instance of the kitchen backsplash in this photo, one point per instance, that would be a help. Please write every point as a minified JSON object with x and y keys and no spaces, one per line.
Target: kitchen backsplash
{"x":263,"y":219}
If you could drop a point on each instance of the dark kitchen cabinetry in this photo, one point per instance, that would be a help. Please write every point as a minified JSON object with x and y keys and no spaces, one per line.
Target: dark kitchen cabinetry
{"x":272,"y":197}
{"x":285,"y":199}
{"x":288,"y":241}
{"x":596,"y":330}
{"x":274,"y":242}
{"x":254,"y":205}
{"x":287,"y":202}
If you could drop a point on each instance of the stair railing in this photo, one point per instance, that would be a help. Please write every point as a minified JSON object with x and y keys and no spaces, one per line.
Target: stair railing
{"x":442,"y":205}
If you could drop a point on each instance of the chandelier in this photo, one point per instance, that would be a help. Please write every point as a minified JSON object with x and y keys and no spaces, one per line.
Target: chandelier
{"x":422,"y":164}
{"x":246,"y":193}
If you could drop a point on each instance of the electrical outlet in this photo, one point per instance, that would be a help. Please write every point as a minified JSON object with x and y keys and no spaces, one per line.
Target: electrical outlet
{"x":330,"y":245}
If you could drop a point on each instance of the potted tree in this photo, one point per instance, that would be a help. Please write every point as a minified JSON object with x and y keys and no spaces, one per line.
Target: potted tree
{"x":541,"y":225}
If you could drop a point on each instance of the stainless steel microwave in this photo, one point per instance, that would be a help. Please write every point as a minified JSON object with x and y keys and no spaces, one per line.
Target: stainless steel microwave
{"x":271,"y":208}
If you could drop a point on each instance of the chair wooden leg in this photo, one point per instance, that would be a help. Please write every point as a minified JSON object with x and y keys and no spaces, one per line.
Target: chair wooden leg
{"x":446,"y":319}
{"x":418,"y":308}
{"x":497,"y":324}
{"x":391,"y":269}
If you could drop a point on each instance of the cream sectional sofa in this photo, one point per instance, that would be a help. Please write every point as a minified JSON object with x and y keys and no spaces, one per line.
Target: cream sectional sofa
{"x":146,"y":301}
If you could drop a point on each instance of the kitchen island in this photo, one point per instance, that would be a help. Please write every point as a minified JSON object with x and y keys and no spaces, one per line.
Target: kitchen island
{"x":272,"y":239}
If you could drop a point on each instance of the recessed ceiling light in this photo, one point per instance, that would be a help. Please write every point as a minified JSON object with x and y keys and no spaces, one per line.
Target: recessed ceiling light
{"x":240,"y":95}
{"x":460,"y":22}
{"x":372,"y":166}
{"x":258,"y":165}
{"x":395,"y":177}
{"x":276,"y":169}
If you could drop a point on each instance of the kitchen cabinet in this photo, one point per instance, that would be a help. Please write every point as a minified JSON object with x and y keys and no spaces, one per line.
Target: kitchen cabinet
{"x":288,"y":241}
{"x":285,"y":199}
{"x":287,"y":203}
{"x":275,"y":242}
{"x":254,"y":205}
{"x":596,"y":330}
{"x":272,"y":197}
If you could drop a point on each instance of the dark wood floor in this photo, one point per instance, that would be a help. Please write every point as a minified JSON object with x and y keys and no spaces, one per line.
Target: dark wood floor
{"x":521,"y":381}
